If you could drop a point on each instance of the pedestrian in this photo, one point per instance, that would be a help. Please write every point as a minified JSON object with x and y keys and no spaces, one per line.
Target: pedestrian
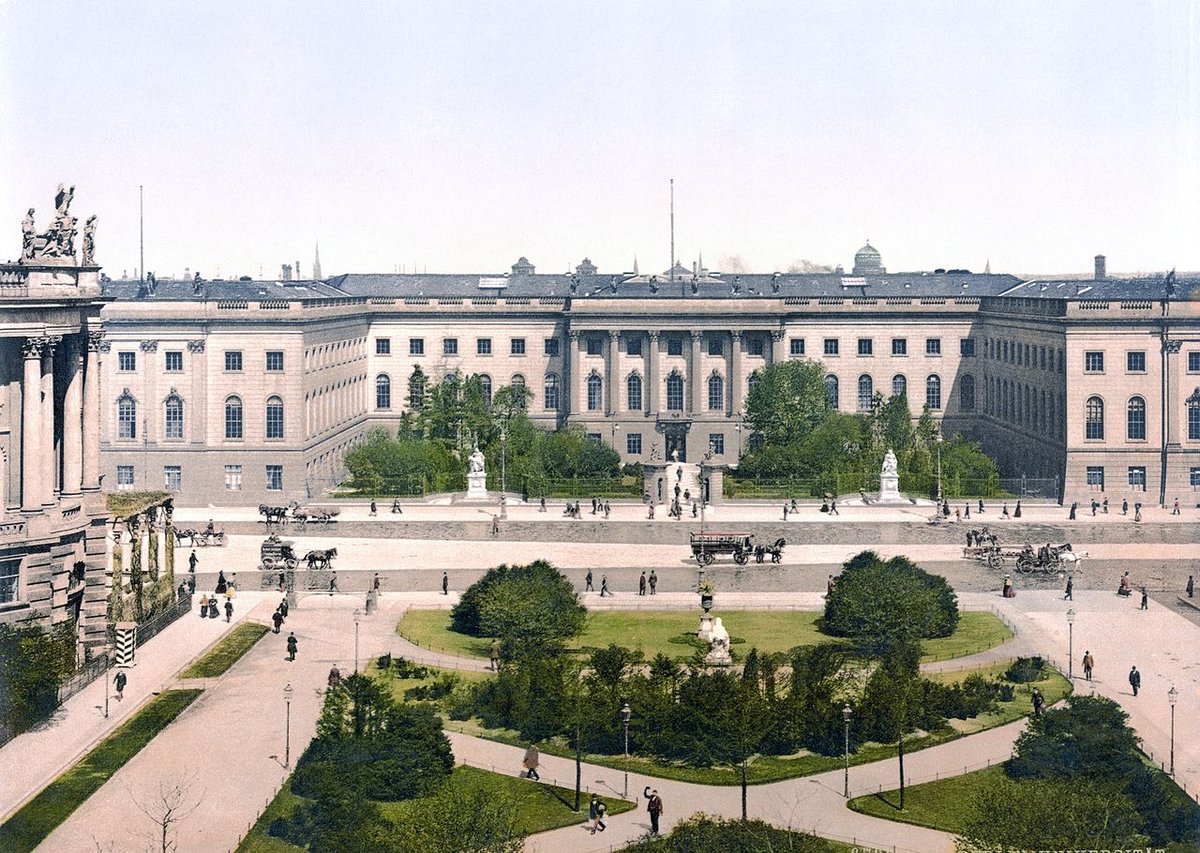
{"x":1124,"y":506}
{"x":592,"y":812}
{"x":542,"y":504}
{"x":654,"y":806}
{"x":642,"y":584}
{"x":1074,"y":506}
{"x":981,"y":506}
{"x":597,"y":810}
{"x":587,"y":582}
{"x":1175,"y":511}
{"x":1017,"y":511}
{"x":291,"y":646}
{"x":785,"y":512}
{"x":1095,"y":506}
{"x":1145,"y":600}
{"x":795,"y":506}
{"x":1088,"y":663}
{"x":494,"y":654}
{"x":967,"y":510}
{"x":604,"y":586}
{"x":374,"y":510}
{"x":120,"y":681}
{"x":833,"y":508}
{"x":222,"y":584}
{"x":204,"y":605}
{"x":282,"y":581}
{"x":1038,"y":701}
{"x":829,"y":586}
{"x":957,"y":515}
{"x":1004,"y":511}
{"x":653,"y":581}
{"x":1105,"y":505}
{"x":445,"y":583}
{"x":607,"y":509}
{"x":1137,"y":512}
{"x":530,"y":763}
{"x":1009,"y":591}
{"x":1191,"y":587}
{"x":333,"y":587}
{"x":228,"y":610}
{"x":695,"y":509}
{"x":375,"y":582}
{"x":283,"y":608}
{"x":192,"y":561}
{"x":396,"y":506}
{"x":495,"y":525}
{"x":335,"y":677}
{"x":277,"y":620}
{"x":1126,"y":586}
{"x":1135,"y":680}
{"x":650,"y":515}
{"x":1070,"y":596}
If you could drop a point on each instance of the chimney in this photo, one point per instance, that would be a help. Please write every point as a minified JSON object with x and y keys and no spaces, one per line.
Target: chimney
{"x":298,"y":270}
{"x":286,"y":274}
{"x":1101,"y":268}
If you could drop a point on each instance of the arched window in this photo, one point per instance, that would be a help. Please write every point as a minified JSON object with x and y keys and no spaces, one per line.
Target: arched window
{"x":416,"y":391}
{"x":933,"y":392}
{"x":173,"y":416}
{"x":485,"y":388}
{"x":966,"y":393}
{"x":550,"y":392}
{"x":831,"y":391}
{"x":674,"y":392}
{"x":274,"y":417}
{"x":1135,"y":419}
{"x":233,"y":417}
{"x":633,"y":392}
{"x":126,"y":416}
{"x":517,"y":384}
{"x":595,"y":393}
{"x":716,"y":393}
{"x":383,"y":391}
{"x":866,"y":390}
{"x":899,"y":385}
{"x":1094,"y":418}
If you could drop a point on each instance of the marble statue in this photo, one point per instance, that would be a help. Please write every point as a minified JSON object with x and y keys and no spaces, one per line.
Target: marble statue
{"x":58,"y":241}
{"x":889,"y":481}
{"x":89,"y":241}
{"x":889,"y":463}
{"x":28,"y":233}
{"x":718,"y":653}
{"x":475,"y":462}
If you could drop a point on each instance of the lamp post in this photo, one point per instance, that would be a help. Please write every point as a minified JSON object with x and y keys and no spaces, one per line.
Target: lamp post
{"x":846,"y":712}
{"x":939,"y":466}
{"x":1070,"y":643}
{"x":738,"y":429}
{"x":287,"y":725}
{"x":1172,"y":697}
{"x":357,"y":619}
{"x":626,"y":713}
{"x":503,"y":461}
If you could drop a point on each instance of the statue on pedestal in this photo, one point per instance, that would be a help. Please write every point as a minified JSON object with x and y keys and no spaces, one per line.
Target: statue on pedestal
{"x":58,"y":242}
{"x":889,"y":463}
{"x":475,"y":462}
{"x":718,"y":653}
{"x":889,"y":481}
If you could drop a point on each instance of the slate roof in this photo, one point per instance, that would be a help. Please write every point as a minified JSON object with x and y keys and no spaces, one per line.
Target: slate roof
{"x":1186,"y":287}
{"x":180,"y":290}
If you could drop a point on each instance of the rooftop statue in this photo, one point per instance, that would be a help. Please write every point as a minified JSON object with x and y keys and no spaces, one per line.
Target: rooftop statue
{"x":89,"y":241}
{"x":58,"y":241}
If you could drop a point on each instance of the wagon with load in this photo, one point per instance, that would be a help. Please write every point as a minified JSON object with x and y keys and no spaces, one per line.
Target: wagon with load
{"x":708,"y":545}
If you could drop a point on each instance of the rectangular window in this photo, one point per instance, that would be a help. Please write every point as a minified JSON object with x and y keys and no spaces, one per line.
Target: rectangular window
{"x":1093,"y":361}
{"x":174,"y":361}
{"x":383,"y":346}
{"x":274,"y":361}
{"x":10,"y":576}
{"x":233,"y":478}
{"x":716,"y":346}
{"x":1137,"y":478}
{"x":866,"y":346}
{"x":516,"y":346}
{"x":633,"y":346}
{"x":899,"y":346}
{"x":755,"y":346}
{"x":1194,"y":362}
{"x":274,"y":478}
{"x":483,"y":346}
{"x":716,"y":441}
{"x":1135,"y":362}
{"x":233,"y":361}
{"x":933,"y":346}
{"x":125,"y":477}
{"x":633,"y":443}
{"x":674,"y":346}
{"x":416,"y":346}
{"x":831,"y":346}
{"x":1095,"y":478}
{"x":127,"y":361}
{"x":449,"y":346}
{"x":594,"y":436}
{"x":595,"y":345}
{"x":172,"y":477}
{"x":551,"y":347}
{"x":1194,"y":478}
{"x":796,"y":346}
{"x":966,"y":347}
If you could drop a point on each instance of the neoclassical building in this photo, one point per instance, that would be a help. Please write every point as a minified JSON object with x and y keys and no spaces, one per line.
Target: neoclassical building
{"x":246,"y":392}
{"x":52,"y":550}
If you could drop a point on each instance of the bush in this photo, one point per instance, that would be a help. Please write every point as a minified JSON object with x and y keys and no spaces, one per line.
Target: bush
{"x":439,"y":689}
{"x":703,"y":833}
{"x":533,"y":609}
{"x":1024,"y":670}
{"x":34,"y":661}
{"x":406,"y":669}
{"x":878,"y":602}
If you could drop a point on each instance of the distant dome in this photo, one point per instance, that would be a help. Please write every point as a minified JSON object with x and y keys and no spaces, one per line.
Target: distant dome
{"x":867,"y":261}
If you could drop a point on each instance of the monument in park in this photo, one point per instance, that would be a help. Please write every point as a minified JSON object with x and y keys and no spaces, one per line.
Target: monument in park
{"x":889,"y":481}
{"x":476,"y":477}
{"x":718,"y":652}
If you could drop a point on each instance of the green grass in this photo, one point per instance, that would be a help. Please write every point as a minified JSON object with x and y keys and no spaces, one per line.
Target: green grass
{"x":227,"y":652}
{"x":539,"y":807}
{"x":655,"y":631}
{"x":29,"y":827}
{"x":944,"y":804}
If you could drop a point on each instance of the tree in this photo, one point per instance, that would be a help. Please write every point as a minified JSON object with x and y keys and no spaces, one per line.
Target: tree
{"x":461,"y":818}
{"x":34,"y":661}
{"x":1089,"y":737}
{"x":787,"y":402}
{"x":172,"y":804}
{"x":527,"y":604}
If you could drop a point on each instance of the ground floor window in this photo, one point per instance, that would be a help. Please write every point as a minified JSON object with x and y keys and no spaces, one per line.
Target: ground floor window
{"x":1137,"y":478}
{"x":10,"y":576}
{"x":633,"y":443}
{"x":716,"y":441}
{"x":172,"y":478}
{"x":1095,"y":478}
{"x":125,"y":477}
{"x":233,"y":478}
{"x":274,"y":478}
{"x":1194,"y":478}
{"x":594,"y":436}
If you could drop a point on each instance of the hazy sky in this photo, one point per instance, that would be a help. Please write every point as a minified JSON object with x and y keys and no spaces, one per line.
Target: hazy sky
{"x":456,"y":137}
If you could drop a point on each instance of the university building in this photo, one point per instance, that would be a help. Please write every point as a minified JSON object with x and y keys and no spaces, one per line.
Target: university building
{"x":250,"y":391}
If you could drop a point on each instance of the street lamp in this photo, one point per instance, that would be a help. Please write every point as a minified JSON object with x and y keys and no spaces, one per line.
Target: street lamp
{"x":846,"y":712}
{"x":939,"y":467}
{"x":503,"y":461}
{"x":738,"y":429}
{"x":357,"y":619}
{"x":1172,"y":697}
{"x":287,"y":730}
{"x":1071,"y":643}
{"x":626,"y":713}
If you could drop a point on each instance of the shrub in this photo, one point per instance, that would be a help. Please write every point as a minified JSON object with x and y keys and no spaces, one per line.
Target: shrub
{"x":439,"y":689}
{"x":701,"y":832}
{"x":877,"y":602}
{"x":1024,"y":670}
{"x":465,"y":616}
{"x":533,"y":609}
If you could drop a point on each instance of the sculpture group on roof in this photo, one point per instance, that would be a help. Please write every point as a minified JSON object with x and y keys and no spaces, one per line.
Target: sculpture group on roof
{"x":57,"y":243}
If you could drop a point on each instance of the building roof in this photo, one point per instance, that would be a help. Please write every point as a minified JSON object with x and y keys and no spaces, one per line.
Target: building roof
{"x":1182,"y":288}
{"x":182,"y":290}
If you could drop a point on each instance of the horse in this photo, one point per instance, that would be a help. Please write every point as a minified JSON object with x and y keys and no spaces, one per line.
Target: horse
{"x":320,"y":558}
{"x":776,"y":550}
{"x":276,"y":514}
{"x":189,"y":534}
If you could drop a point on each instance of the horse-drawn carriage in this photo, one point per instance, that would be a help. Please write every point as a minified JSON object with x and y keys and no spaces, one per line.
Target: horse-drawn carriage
{"x":314,"y":514}
{"x":709,"y":545}
{"x":1046,"y":559}
{"x":200,"y":538}
{"x":278,"y":553}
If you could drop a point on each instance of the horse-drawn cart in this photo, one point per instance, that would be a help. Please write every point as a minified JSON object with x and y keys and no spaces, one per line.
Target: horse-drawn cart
{"x":314,"y":514}
{"x":709,"y":545}
{"x":278,"y":553}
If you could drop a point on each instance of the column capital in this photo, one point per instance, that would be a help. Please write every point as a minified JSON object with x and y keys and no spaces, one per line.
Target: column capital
{"x":574,"y":334}
{"x":653,"y":334}
{"x":614,"y":335}
{"x":49,"y":344}
{"x":195,"y":346}
{"x":777,"y":335}
{"x":32,"y":347}
{"x":697,"y":334}
{"x":95,"y":340}
{"x":148,"y":346}
{"x":736,"y":335}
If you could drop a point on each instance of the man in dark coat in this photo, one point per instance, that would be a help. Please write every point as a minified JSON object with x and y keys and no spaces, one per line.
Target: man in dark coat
{"x":642,"y":584}
{"x":445,"y":583}
{"x":229,"y":610}
{"x":653,"y":581}
{"x":292,"y":646}
{"x":654,"y":806}
{"x":277,"y":620}
{"x":1135,"y":680}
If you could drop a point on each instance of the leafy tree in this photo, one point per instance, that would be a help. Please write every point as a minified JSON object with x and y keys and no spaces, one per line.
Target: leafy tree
{"x":34,"y":662}
{"x":337,"y":819}
{"x":527,"y":604}
{"x":787,"y":402}
{"x":1088,"y":737}
{"x":876,"y":601}
{"x":461,"y":819}
{"x":609,"y":665}
{"x":701,"y":833}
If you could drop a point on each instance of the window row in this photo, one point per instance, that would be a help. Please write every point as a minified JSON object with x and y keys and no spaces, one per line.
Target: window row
{"x":173,"y":418}
{"x":173,"y":361}
{"x":933,"y":391}
{"x":1033,"y":356}
{"x":1135,"y":419}
{"x":1135,"y":478}
{"x":173,"y":477}
{"x":483,"y":346}
{"x":1023,"y":405}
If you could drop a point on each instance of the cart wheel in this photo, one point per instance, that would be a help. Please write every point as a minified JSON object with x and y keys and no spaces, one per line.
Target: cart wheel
{"x":1024,"y":567}
{"x":994,"y":561}
{"x":706,"y":558}
{"x":268,"y":563}
{"x":741,"y":558}
{"x":290,"y":565}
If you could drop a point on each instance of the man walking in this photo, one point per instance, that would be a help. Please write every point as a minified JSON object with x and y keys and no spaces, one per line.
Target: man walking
{"x":277,"y":620}
{"x":292,"y":645}
{"x":654,"y":806}
{"x":1175,"y":511}
{"x":1124,"y":506}
{"x":119,"y":681}
{"x":1145,"y":600}
{"x":374,"y":509}
{"x":228,"y":610}
{"x":1088,"y":663}
{"x":587,"y":582}
{"x":1135,"y":680}
{"x":333,"y":587}
{"x":604,"y":586}
{"x":653,"y":581}
{"x":445,"y":583}
{"x":192,"y":561}
{"x":495,"y":525}
{"x":375,"y":582}
{"x":642,"y":584}
{"x":1191,"y":587}
{"x":494,"y":655}
{"x":1039,"y":702}
{"x":1070,"y":596}
{"x":1074,"y":506}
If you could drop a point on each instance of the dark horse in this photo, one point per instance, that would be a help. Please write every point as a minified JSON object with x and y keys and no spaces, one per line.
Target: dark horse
{"x":275,"y":514}
{"x":320,"y":558}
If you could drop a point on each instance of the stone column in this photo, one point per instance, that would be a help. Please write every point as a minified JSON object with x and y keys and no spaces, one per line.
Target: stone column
{"x":735,"y":371}
{"x":572,"y":378}
{"x":49,"y":456}
{"x":614,"y":380}
{"x":31,"y":426}
{"x":694,"y":381}
{"x":91,"y":413}
{"x":652,"y":389}
{"x":72,"y":440}
{"x":777,"y":353}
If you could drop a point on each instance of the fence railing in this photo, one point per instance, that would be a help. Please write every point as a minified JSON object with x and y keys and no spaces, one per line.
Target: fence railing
{"x":160,"y":620}
{"x":953,"y":488}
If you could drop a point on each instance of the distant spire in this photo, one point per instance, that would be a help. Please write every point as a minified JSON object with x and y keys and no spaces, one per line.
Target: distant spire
{"x":316,"y":272}
{"x":635,"y":269}
{"x":987,"y":268}
{"x":700,"y":260}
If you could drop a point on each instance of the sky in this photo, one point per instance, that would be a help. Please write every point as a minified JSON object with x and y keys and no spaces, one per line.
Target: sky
{"x":456,"y":137}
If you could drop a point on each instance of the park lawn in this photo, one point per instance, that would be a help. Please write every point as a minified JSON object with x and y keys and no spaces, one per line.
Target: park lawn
{"x":945,"y":804}
{"x":540,"y":807}
{"x":26,"y":829}
{"x":655,"y":631}
{"x":217,"y":660}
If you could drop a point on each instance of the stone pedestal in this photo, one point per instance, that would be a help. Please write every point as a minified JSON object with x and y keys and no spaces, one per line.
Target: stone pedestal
{"x":889,"y":489}
{"x":477,"y":486}
{"x":706,"y":625}
{"x":718,"y":656}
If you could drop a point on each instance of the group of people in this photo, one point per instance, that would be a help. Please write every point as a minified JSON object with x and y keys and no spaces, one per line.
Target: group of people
{"x":604,"y":590}
{"x":210,"y":606}
{"x":1103,"y":507}
{"x":597,"y":809}
{"x":1125,"y":590}
{"x":280,"y":614}
{"x":643,"y":582}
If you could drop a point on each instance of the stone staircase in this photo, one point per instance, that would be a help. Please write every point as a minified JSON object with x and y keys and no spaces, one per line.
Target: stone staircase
{"x":687,"y":476}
